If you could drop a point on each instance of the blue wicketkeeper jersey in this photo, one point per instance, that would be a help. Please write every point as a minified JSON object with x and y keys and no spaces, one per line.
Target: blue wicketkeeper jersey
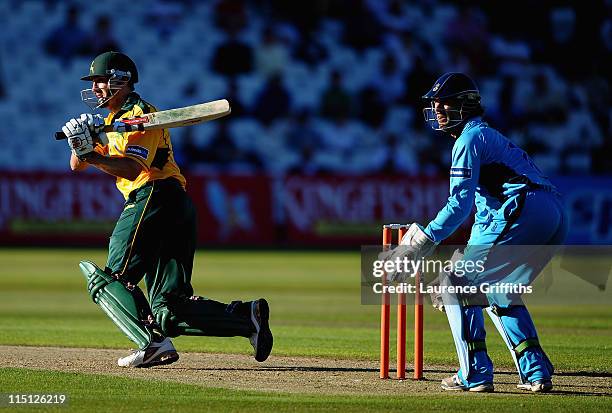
{"x":486,"y":170}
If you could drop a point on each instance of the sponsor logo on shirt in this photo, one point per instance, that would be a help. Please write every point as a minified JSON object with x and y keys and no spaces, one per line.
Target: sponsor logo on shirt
{"x":461,"y":172}
{"x":138,"y":151}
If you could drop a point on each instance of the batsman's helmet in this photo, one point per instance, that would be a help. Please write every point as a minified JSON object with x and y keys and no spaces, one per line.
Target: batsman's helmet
{"x":458,"y":91}
{"x":108,"y":63}
{"x":120,"y":71}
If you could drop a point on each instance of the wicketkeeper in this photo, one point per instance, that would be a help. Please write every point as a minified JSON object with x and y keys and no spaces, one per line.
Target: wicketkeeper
{"x":155,"y":236}
{"x":515,"y":205}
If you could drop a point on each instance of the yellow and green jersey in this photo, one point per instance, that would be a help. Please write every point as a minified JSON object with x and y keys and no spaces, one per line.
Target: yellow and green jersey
{"x":151,"y":149}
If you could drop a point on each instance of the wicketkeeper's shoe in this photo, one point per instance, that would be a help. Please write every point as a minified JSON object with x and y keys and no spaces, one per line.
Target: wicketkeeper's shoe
{"x":453,"y":383}
{"x":537,"y":386}
{"x":157,"y":354}
{"x":261,"y":339}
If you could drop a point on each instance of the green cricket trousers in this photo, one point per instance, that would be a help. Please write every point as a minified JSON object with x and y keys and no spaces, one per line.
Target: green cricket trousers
{"x":155,"y":240}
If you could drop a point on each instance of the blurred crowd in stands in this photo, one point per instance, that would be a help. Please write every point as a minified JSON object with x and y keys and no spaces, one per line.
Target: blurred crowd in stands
{"x":324,"y":86}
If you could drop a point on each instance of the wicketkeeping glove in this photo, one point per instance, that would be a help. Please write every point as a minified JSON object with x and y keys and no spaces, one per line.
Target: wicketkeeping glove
{"x":443,"y":278}
{"x":95,"y":123}
{"x":398,"y":252}
{"x":436,"y":297}
{"x":415,"y":237}
{"x":79,"y":137}
{"x":414,"y":245}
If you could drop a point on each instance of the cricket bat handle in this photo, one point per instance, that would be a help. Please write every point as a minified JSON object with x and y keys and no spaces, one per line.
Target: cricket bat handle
{"x":116,"y":127}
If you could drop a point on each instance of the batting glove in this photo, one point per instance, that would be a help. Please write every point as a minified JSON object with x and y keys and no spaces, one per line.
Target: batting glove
{"x":95,"y":123}
{"x":79,"y":137}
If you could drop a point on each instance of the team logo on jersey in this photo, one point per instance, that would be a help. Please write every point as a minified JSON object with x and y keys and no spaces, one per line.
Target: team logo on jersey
{"x":138,"y":151}
{"x":461,"y":172}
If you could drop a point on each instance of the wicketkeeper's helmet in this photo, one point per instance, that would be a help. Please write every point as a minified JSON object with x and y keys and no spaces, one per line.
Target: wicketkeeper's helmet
{"x":458,"y":91}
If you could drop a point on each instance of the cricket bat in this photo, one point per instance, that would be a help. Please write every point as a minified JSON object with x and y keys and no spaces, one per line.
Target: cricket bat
{"x":165,"y":119}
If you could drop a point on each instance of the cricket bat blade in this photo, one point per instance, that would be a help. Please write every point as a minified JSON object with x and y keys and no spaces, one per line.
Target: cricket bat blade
{"x":171,"y":118}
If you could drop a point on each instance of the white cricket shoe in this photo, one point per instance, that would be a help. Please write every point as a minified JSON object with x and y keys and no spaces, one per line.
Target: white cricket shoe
{"x":453,"y":383}
{"x":157,"y":354}
{"x":537,"y":386}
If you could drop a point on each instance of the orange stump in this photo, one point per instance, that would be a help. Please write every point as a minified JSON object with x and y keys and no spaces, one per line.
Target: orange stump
{"x":418,"y":330}
{"x":385,"y":317}
{"x":401,"y":324}
{"x":385,"y":322}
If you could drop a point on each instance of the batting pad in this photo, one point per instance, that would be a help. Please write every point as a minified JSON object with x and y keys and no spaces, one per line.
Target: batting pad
{"x":118,"y":302}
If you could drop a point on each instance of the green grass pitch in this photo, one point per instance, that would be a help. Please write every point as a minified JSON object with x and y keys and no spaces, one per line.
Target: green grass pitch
{"x":316,"y":312}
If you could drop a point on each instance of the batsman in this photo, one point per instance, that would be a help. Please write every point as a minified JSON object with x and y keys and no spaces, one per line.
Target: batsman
{"x":154,"y":238}
{"x":516,"y":206}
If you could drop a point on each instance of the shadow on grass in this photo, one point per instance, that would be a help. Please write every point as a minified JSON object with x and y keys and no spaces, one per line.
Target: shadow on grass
{"x":374,"y":370}
{"x":321,"y":369}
